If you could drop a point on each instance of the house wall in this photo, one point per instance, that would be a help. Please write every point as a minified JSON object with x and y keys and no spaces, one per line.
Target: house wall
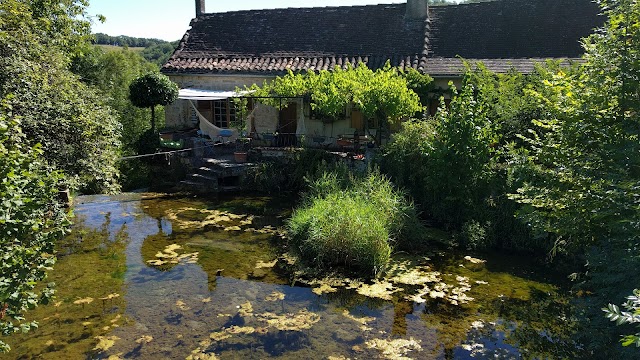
{"x":179,"y":114}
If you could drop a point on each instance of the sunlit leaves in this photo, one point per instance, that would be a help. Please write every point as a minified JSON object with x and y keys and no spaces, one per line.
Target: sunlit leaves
{"x":580,"y":176}
{"x":383,"y":93}
{"x":30,"y":221}
{"x":631,"y":316}
{"x":76,"y":130}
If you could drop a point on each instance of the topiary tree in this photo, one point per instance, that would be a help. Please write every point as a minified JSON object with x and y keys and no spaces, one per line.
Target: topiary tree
{"x":150,"y":90}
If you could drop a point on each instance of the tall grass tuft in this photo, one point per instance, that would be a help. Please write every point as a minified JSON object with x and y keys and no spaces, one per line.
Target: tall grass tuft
{"x":351,"y":222}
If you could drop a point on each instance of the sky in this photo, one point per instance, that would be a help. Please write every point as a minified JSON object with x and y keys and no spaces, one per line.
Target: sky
{"x":169,"y":19}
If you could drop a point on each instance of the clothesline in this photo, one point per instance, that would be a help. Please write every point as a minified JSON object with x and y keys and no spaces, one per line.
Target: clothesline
{"x":167,"y":152}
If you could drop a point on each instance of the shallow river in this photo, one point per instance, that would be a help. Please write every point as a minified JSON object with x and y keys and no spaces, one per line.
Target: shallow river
{"x":147,"y":276}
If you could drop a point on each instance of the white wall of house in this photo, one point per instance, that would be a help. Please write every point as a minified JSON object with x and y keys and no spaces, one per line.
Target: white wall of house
{"x":179,"y":114}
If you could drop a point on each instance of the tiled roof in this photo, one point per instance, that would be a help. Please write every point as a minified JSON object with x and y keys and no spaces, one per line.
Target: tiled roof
{"x":445,"y":67}
{"x":512,"y":29}
{"x":505,"y":33}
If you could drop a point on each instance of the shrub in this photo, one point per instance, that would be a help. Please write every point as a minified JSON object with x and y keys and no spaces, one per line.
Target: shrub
{"x":352,"y":222}
{"x":454,"y":166}
{"x":31,"y":220}
{"x":268,"y":176}
{"x":446,"y":162}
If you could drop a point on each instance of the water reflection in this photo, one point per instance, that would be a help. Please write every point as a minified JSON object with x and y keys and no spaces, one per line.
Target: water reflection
{"x":232,"y":300}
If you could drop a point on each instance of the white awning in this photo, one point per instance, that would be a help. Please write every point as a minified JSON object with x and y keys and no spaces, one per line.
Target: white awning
{"x":200,"y":94}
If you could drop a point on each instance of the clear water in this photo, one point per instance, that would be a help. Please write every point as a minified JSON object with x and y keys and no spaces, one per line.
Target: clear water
{"x":232,"y":301}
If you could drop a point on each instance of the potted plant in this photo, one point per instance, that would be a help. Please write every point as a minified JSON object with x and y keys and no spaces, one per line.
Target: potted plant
{"x":242,"y":148}
{"x":242,"y":142}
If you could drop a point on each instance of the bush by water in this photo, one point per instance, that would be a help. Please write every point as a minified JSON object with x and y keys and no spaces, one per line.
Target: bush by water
{"x":352,"y":222}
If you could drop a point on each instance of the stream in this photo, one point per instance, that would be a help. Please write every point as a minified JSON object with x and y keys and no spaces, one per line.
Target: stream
{"x":152,"y":276}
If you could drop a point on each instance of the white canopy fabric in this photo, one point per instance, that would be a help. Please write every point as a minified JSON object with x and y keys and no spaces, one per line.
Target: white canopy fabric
{"x":201,"y":94}
{"x":211,"y":130}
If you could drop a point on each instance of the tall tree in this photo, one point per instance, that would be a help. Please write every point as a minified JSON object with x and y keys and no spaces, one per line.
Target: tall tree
{"x":581,"y":172}
{"x":78,"y":132}
{"x":112,"y":72}
{"x":53,"y":130}
{"x":582,"y":183}
{"x":151,"y":90}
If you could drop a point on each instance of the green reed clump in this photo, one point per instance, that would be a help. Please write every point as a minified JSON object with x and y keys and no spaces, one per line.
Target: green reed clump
{"x":352,"y":222}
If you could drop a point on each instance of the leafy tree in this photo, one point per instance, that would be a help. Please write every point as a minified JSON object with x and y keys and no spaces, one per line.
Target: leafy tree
{"x":31,"y":220}
{"x":78,"y":133}
{"x":112,"y":72}
{"x":455,"y":164}
{"x":582,"y":182}
{"x":421,"y":84}
{"x":631,"y":316}
{"x":580,"y":172}
{"x":447,"y":161}
{"x":125,"y":41}
{"x":159,"y":53}
{"x":151,"y":90}
{"x":506,"y":96}
{"x":53,"y":130}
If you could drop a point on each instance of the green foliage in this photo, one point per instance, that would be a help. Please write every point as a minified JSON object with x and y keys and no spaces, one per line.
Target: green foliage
{"x":631,"y":316}
{"x":78,"y":133}
{"x":268,"y":177}
{"x":421,"y":84}
{"x":151,"y":90}
{"x":606,"y":279}
{"x":352,"y":222}
{"x":506,"y":97}
{"x":454,"y":165}
{"x":126,"y":41}
{"x":462,"y":149}
{"x":381,"y":94}
{"x":446,"y":163}
{"x":111,"y":72}
{"x":580,"y":169}
{"x":413,"y":145}
{"x":31,"y":220}
{"x":159,"y":53}
{"x":61,"y":24}
{"x":580,"y":174}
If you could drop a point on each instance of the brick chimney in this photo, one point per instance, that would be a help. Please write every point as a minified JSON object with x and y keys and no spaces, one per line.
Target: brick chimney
{"x":199,"y":8}
{"x":417,"y":10}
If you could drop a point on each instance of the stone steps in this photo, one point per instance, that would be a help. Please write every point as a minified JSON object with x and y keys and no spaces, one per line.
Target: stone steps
{"x":221,"y":174}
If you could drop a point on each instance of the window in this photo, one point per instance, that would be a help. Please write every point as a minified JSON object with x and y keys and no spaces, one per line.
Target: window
{"x":221,"y":113}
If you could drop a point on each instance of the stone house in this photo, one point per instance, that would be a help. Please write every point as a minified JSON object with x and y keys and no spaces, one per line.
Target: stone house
{"x":224,"y":51}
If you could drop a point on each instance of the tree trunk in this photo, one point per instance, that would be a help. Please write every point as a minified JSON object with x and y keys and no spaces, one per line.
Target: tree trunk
{"x":153,"y":119}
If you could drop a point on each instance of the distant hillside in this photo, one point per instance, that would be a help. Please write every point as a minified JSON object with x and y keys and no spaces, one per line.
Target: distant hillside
{"x":159,"y":53}
{"x":117,"y":47}
{"x":122,"y":40}
{"x":154,"y":50}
